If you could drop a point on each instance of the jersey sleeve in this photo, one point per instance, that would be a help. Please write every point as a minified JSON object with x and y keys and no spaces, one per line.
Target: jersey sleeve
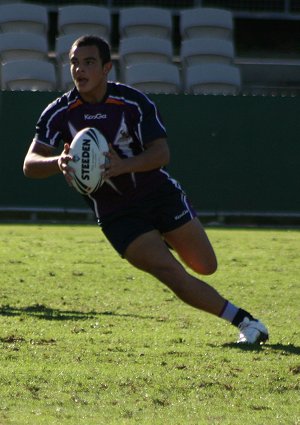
{"x":151,"y":126}
{"x":49,"y":124}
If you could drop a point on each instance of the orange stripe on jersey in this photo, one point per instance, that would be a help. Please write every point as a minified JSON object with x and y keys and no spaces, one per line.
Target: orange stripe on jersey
{"x":76,"y":104}
{"x":115,"y":101}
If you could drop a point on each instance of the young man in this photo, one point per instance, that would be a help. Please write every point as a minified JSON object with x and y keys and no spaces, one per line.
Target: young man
{"x":140,"y":206}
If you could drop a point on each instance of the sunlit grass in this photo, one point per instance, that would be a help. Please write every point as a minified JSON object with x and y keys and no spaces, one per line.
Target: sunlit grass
{"x":87,"y":339}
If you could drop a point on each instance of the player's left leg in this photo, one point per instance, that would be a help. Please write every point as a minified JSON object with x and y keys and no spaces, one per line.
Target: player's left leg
{"x":148,"y":252}
{"x":191,"y":243}
{"x":193,"y":246}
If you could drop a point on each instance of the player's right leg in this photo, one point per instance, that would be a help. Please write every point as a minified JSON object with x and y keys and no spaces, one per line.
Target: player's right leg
{"x":191,"y":243}
{"x":149,"y":253}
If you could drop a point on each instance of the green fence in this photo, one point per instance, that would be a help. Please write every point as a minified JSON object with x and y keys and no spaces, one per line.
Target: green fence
{"x":231,"y":154}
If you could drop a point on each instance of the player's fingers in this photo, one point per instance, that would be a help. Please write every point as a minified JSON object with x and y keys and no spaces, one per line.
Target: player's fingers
{"x":112,"y":152}
{"x":107,"y":156}
{"x":66,"y":148}
{"x":106,"y":172}
{"x":63,"y":165}
{"x":68,"y":173}
{"x":68,"y":179}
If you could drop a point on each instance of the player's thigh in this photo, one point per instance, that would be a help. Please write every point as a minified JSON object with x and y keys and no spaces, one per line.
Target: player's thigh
{"x":149,"y":252}
{"x":191,"y":243}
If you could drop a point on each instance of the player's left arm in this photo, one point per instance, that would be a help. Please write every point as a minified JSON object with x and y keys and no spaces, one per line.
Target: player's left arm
{"x":156,"y":155}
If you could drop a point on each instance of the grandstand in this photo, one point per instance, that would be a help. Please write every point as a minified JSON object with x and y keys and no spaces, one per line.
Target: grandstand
{"x":247,"y":130}
{"x":266,"y":37}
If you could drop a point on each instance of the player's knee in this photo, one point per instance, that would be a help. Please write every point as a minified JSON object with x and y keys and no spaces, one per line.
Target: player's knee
{"x":211,"y":267}
{"x":207,"y":267}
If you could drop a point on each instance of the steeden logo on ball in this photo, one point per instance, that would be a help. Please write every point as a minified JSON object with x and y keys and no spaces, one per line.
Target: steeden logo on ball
{"x":88,"y":151}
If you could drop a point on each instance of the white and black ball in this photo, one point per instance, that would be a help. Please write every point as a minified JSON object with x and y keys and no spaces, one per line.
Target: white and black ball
{"x":88,"y":151}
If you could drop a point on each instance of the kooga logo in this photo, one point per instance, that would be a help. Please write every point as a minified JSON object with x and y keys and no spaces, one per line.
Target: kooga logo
{"x":95,"y":117}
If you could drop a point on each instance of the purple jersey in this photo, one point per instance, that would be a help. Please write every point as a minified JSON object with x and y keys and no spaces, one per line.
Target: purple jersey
{"x":128,"y":119}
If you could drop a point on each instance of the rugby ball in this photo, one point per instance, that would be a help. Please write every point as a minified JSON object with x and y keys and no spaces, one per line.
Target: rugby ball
{"x":87,"y":150}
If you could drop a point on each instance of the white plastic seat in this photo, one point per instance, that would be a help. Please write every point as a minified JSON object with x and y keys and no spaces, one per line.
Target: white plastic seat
{"x":24,"y":17}
{"x":84,"y":19}
{"x":25,"y":46}
{"x":151,"y":21}
{"x":62,"y":47}
{"x":213,"y":78}
{"x":66,"y":82}
{"x":206,"y":50}
{"x":154,"y":77}
{"x":206,"y":22}
{"x":144,"y":49}
{"x":112,"y":76}
{"x":31,"y":74}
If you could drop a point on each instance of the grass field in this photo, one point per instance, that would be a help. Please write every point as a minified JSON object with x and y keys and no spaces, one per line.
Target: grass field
{"x":85,"y":339}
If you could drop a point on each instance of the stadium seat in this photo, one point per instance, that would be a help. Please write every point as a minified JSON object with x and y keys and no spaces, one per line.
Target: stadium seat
{"x":154,"y":77}
{"x":27,"y":46}
{"x":65,"y":79}
{"x":84,"y":19}
{"x":213,"y":78}
{"x":31,"y":74}
{"x":63,"y":44}
{"x":112,"y":76}
{"x":24,"y":17}
{"x":144,"y":49}
{"x":206,"y":50}
{"x":206,"y":22}
{"x":66,"y":83}
{"x":151,"y":21}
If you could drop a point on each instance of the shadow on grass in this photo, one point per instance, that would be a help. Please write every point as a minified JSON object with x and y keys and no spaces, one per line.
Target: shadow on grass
{"x":286,"y":348}
{"x":40,"y":311}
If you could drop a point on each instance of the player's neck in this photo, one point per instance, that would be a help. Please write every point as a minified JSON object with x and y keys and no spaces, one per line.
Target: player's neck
{"x":95,"y":96}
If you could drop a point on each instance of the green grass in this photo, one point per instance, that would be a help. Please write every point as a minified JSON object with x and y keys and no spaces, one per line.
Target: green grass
{"x":85,"y":339}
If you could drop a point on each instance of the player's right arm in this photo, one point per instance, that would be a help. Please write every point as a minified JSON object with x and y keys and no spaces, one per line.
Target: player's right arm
{"x":40,"y":162}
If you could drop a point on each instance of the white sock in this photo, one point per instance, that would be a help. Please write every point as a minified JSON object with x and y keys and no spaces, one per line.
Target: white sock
{"x":229,"y":312}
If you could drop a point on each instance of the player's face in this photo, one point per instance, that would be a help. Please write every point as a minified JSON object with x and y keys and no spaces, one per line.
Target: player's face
{"x":88,"y":73}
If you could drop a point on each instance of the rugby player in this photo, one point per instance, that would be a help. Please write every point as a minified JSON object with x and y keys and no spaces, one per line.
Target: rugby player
{"x":141,"y":209}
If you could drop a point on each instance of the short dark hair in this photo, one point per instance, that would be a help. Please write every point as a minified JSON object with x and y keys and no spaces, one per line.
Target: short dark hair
{"x":94,"y":40}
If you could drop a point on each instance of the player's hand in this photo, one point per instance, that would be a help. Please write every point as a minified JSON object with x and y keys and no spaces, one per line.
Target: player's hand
{"x":63,"y":164}
{"x":114,"y":165}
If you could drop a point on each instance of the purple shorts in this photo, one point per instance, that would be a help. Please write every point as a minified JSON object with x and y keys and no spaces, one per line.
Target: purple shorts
{"x":165,"y":209}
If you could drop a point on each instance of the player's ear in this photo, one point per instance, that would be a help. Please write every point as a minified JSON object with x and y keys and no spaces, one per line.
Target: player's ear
{"x":107,"y":67}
